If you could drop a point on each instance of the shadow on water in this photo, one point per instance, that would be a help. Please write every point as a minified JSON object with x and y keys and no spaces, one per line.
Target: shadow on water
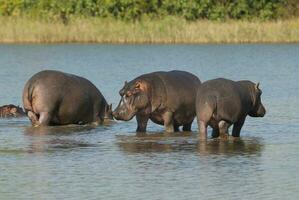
{"x":186,"y":141}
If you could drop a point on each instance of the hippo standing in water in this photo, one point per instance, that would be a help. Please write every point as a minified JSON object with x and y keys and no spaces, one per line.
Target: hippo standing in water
{"x":57,"y":98}
{"x":222,"y":102}
{"x":11,"y":111}
{"x":167,"y":98}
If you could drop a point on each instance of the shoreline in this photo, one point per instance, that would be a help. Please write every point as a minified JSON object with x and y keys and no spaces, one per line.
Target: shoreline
{"x":148,"y":43}
{"x":170,"y":30}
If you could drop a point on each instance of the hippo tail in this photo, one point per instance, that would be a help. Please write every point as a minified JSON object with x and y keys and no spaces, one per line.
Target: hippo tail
{"x":207,"y":107}
{"x":27,"y":97}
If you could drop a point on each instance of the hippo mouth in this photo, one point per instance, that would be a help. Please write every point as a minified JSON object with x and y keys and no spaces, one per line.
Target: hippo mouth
{"x":123,"y":116}
{"x":123,"y":111}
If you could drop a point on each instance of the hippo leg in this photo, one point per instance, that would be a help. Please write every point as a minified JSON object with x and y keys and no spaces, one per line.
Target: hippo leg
{"x":204,"y":116}
{"x":187,"y":127}
{"x":215,"y":133}
{"x":33,"y":118}
{"x":142,"y":122}
{"x":237,"y":127}
{"x":202,"y":129}
{"x":223,"y":129}
{"x":168,"y":122}
{"x":44,"y":119}
{"x":96,"y":121}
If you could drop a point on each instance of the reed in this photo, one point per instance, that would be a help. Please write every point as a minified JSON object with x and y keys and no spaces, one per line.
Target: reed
{"x":167,"y":30}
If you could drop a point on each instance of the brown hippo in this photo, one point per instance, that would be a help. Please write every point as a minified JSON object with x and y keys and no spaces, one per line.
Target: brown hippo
{"x":57,"y":98}
{"x":167,"y":98}
{"x":11,"y":111}
{"x":222,"y":102}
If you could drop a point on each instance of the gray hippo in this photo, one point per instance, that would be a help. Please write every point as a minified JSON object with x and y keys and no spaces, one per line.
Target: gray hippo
{"x":222,"y":102}
{"x":166,"y":98}
{"x":11,"y":111}
{"x":57,"y":98}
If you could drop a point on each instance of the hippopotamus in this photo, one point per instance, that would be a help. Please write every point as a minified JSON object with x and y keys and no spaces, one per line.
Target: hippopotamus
{"x":166,"y":98}
{"x":11,"y":111}
{"x":58,"y":98}
{"x":222,"y":102}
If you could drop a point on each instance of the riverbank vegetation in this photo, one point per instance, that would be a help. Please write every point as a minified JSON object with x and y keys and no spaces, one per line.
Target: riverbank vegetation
{"x":149,"y":21}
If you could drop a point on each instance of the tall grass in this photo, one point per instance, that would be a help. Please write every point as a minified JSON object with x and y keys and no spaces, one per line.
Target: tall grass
{"x":167,"y":30}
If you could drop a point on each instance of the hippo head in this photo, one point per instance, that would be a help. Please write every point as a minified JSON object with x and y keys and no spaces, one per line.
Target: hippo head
{"x":258,"y":109}
{"x":108,"y":112}
{"x":11,"y":111}
{"x":134,"y":99}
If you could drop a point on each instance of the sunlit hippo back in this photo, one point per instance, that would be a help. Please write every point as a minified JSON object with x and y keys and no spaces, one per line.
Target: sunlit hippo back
{"x":58,"y":98}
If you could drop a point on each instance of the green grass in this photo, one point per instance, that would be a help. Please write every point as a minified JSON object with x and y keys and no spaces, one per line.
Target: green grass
{"x":168,"y":30}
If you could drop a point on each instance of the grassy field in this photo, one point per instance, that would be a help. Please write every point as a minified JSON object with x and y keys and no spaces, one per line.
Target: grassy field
{"x":168,"y":30}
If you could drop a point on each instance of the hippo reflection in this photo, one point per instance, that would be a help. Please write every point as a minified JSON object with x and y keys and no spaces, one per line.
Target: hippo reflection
{"x":158,"y":142}
{"x":166,"y":98}
{"x":11,"y":111}
{"x":40,"y":144}
{"x":58,"y":130}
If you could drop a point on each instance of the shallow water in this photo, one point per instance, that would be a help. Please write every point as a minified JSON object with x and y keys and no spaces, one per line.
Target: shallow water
{"x":112,"y":162}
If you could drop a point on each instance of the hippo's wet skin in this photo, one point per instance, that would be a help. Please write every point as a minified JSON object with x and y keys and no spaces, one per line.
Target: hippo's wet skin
{"x":11,"y":111}
{"x":166,"y":98}
{"x":57,"y":98}
{"x":222,"y":102}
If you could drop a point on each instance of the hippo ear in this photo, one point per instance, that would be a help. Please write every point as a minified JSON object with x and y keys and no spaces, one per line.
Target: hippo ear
{"x":257,"y":86}
{"x":126,"y":82}
{"x":140,"y":86}
{"x":137,"y":85}
{"x":110,"y":107}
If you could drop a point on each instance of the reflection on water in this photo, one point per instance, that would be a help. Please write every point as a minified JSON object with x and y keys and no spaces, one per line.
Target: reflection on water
{"x":159,"y":142}
{"x":49,"y":139}
{"x":48,"y":144}
{"x":58,"y":130}
{"x":40,"y":145}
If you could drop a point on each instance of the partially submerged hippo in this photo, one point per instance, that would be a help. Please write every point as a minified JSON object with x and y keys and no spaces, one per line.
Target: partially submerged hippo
{"x":57,"y":98}
{"x":222,"y":102}
{"x":11,"y":111}
{"x":167,"y":98}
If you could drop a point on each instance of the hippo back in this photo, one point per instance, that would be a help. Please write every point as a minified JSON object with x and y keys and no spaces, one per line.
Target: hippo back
{"x":171,"y":89}
{"x":174,"y":91}
{"x":180,"y":88}
{"x":70,"y":98}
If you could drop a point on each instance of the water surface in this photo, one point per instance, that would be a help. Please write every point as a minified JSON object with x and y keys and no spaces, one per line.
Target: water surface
{"x":112,"y":162}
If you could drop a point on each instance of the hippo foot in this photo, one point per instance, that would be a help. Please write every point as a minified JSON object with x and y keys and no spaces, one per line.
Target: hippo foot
{"x":169,"y":129}
{"x":202,"y":137}
{"x":224,"y":137}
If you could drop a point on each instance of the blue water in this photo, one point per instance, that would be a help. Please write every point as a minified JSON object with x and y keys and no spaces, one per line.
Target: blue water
{"x":112,"y":162}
